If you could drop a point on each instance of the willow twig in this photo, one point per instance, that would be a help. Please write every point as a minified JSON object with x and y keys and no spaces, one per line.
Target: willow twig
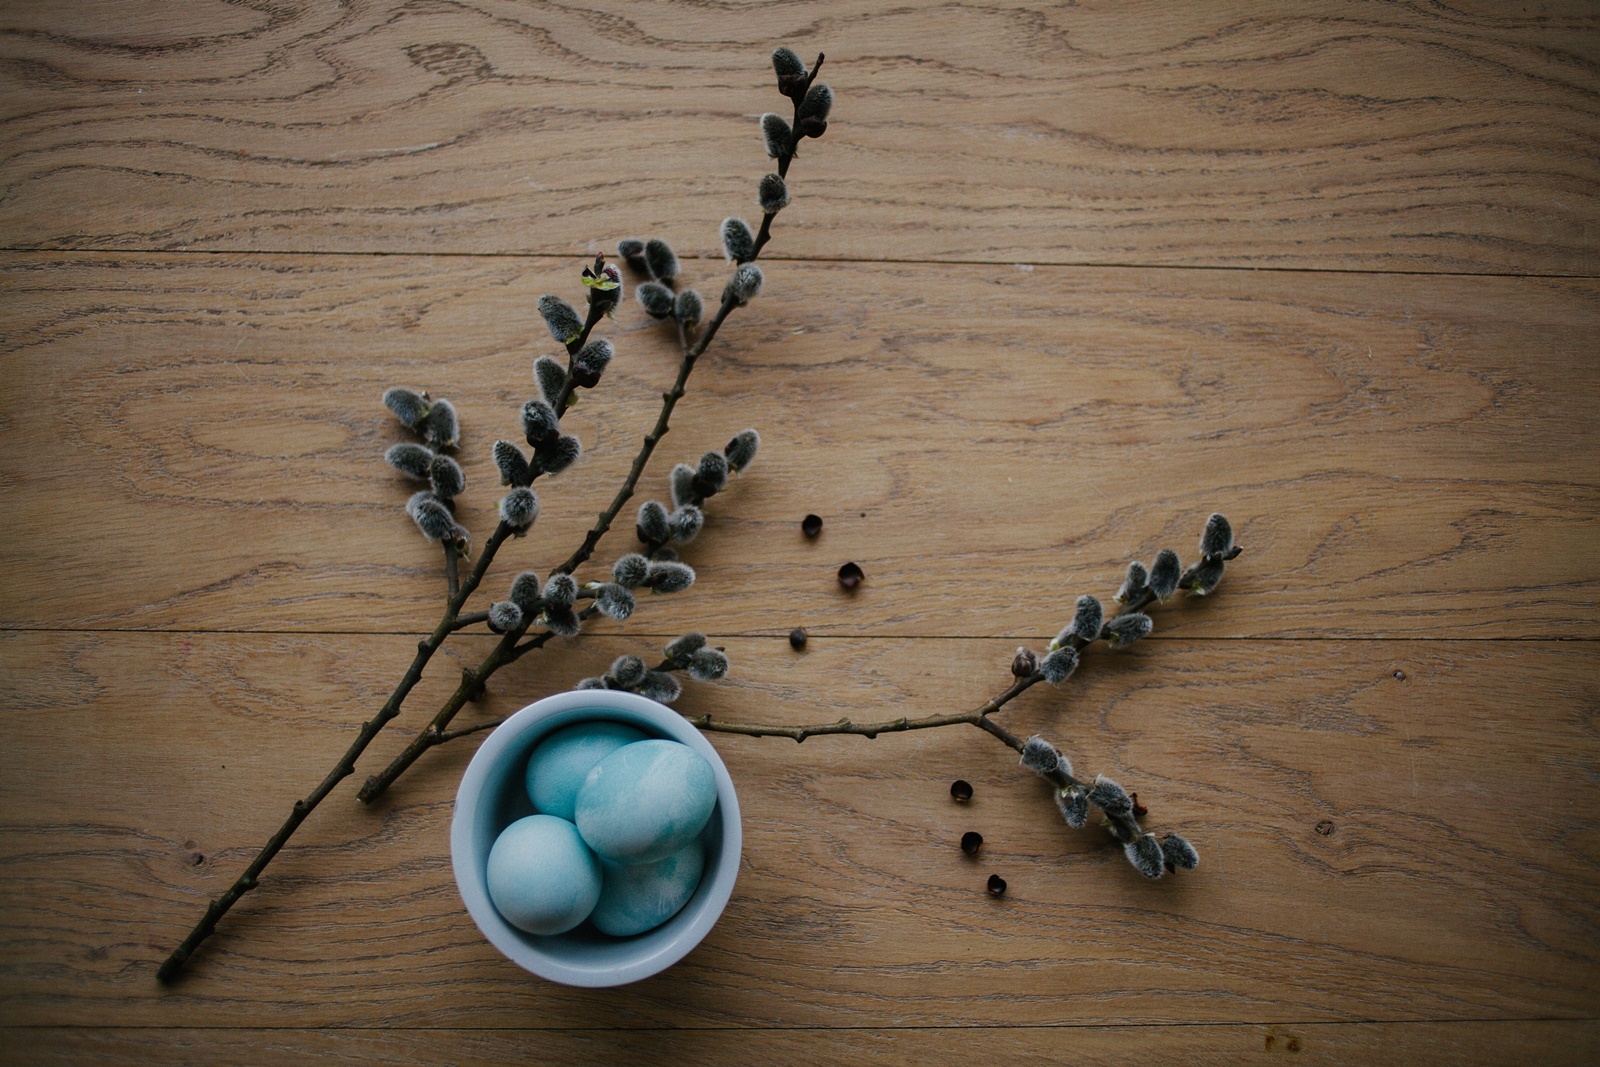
{"x":247,"y":881}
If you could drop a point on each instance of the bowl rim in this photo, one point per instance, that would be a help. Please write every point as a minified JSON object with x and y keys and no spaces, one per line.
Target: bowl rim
{"x":468,"y":868}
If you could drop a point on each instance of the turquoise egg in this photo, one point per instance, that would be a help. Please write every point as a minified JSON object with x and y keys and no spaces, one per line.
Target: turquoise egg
{"x":560,"y":763}
{"x":542,"y":877}
{"x":646,"y":801}
{"x":639,"y":897}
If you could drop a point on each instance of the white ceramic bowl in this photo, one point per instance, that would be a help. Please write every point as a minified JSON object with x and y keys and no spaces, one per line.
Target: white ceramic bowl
{"x":493,"y":795}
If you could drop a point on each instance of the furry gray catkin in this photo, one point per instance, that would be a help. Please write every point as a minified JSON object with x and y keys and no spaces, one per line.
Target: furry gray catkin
{"x":1135,"y":585}
{"x":688,"y":308}
{"x":504,"y":616}
{"x":685,"y":523}
{"x":408,"y":405}
{"x":745,"y":285}
{"x":708,"y":664}
{"x":1074,"y":806}
{"x":711,"y":476}
{"x":680,"y":649}
{"x":1124,"y":630}
{"x":788,"y":66}
{"x":660,"y":259}
{"x":552,"y":378}
{"x":1217,"y":538}
{"x":525,"y":592}
{"x":628,"y":671}
{"x":614,"y":601}
{"x":563,"y":622}
{"x":668,"y":577}
{"x":683,"y":485}
{"x":1146,"y":857}
{"x":1058,"y":666}
{"x":659,"y":686}
{"x":518,"y":510}
{"x":631,"y":249}
{"x":1179,"y":853}
{"x":442,"y":426}
{"x":653,"y":526}
{"x":410,"y":459}
{"x":741,"y":451}
{"x":1205,"y":577}
{"x":539,"y":421}
{"x":777,"y":135}
{"x":812,"y":120}
{"x":560,"y":317}
{"x":1086,"y":622}
{"x":1110,"y":797}
{"x":445,"y":475}
{"x":738,"y":240}
{"x":656,"y":299}
{"x":772,"y":194}
{"x":514,"y":467}
{"x":558,"y":453}
{"x":560,"y":591}
{"x":1042,"y":758}
{"x":630,"y":571}
{"x":431,"y":516}
{"x":591,"y":361}
{"x":1164,"y":574}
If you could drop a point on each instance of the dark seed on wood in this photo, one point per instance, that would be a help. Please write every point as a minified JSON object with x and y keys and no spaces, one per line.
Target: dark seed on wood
{"x":797,"y":638}
{"x":997,"y":886}
{"x":850,"y":575}
{"x":961,"y":789}
{"x":811,"y":525}
{"x":971,"y":842}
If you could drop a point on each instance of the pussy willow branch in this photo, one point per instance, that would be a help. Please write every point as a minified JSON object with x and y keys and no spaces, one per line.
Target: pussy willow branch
{"x":452,"y":620}
{"x":507,"y":650}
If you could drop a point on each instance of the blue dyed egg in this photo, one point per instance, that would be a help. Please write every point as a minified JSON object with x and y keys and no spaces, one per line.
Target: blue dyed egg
{"x":639,"y":897}
{"x":560,"y":763}
{"x":646,"y":801}
{"x":542,"y":877}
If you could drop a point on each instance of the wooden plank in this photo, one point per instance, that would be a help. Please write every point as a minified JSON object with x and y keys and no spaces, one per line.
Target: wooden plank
{"x":194,"y":442}
{"x":1373,"y":848}
{"x":1546,"y":1041}
{"x":1314,"y":133}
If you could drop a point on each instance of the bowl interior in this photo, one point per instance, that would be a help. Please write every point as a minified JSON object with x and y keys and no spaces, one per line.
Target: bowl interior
{"x":493,"y":795}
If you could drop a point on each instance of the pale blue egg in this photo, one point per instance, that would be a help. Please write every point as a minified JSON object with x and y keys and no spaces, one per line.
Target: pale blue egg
{"x":560,"y":763}
{"x":639,"y":897}
{"x":646,"y":801}
{"x":542,"y":877}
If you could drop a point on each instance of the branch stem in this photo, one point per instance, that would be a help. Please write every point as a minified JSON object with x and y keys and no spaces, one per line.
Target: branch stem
{"x":247,"y":881}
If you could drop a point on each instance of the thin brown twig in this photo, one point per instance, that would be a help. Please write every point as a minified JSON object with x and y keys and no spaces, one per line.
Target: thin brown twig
{"x":173,"y":965}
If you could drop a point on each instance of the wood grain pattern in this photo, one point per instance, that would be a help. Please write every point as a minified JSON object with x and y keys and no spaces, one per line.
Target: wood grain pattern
{"x":1335,"y":133}
{"x":220,"y":237}
{"x":1546,"y":1042}
{"x":1374,"y":848}
{"x":1399,"y":455}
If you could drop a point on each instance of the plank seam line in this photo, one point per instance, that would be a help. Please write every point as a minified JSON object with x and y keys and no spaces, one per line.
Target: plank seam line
{"x":817,"y":1029}
{"x":844,"y":260}
{"x":668,"y":635}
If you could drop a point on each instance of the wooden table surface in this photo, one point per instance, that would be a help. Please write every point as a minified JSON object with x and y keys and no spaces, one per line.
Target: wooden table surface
{"x":1059,"y":281}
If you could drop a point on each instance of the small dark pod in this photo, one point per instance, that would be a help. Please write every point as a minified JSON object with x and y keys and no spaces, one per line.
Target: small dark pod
{"x":971,"y":842}
{"x":811,"y":525}
{"x":850,"y":575}
{"x":997,"y":886}
{"x":961,"y":789}
{"x":797,"y":638}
